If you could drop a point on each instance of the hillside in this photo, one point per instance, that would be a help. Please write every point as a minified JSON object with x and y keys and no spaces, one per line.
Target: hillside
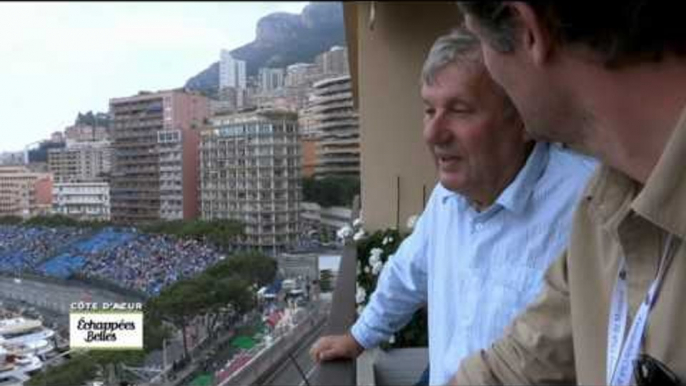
{"x":283,"y":39}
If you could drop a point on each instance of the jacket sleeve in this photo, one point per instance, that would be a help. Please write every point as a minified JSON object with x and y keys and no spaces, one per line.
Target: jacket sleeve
{"x":537,"y":348}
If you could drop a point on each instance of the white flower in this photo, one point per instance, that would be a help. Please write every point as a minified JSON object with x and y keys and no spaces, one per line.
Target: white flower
{"x":391,"y":340}
{"x":360,"y":308}
{"x":359,"y":235}
{"x":360,"y":295}
{"x":344,"y":232}
{"x":375,"y":255}
{"x":411,"y":221}
{"x":376,"y":268}
{"x":358,"y":222}
{"x":387,"y":240}
{"x":366,"y":269}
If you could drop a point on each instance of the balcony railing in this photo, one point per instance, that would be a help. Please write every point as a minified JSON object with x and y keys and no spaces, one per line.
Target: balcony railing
{"x":342,"y":316}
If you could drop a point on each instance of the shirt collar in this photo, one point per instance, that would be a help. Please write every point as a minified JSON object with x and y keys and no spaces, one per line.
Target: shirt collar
{"x":663,"y":198}
{"x":516,"y":194}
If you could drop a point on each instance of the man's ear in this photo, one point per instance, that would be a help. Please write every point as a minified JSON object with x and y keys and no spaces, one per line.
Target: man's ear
{"x":534,"y":38}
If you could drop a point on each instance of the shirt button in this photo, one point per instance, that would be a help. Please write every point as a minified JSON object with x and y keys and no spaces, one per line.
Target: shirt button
{"x":479,"y":227}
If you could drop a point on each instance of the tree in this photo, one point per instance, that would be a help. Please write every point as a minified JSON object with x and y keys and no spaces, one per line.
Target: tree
{"x":10,"y":220}
{"x":226,"y":295}
{"x":220,"y":232}
{"x":255,"y":267}
{"x":79,"y":369}
{"x":179,"y":304}
{"x":331,"y":191}
{"x":154,"y":332}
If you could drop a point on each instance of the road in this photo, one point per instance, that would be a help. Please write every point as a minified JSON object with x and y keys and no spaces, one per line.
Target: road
{"x":287,"y":373}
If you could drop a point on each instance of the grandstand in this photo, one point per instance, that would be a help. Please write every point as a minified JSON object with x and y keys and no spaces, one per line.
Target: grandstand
{"x":23,"y":249}
{"x":123,"y":256}
{"x":65,"y":264}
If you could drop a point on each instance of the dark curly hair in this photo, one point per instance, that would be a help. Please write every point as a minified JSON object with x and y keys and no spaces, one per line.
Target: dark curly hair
{"x":621,"y":33}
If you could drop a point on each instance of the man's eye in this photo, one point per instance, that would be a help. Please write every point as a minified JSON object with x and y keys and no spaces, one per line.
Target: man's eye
{"x":459,"y":110}
{"x":429,"y":111}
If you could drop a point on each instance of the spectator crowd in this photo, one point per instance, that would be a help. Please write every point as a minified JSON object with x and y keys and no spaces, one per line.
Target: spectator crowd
{"x":128,"y":258}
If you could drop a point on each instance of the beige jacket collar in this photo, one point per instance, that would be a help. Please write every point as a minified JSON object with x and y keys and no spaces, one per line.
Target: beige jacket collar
{"x":663,"y":199}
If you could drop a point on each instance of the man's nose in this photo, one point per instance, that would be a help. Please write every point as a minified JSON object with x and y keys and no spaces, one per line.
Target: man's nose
{"x":435,"y":130}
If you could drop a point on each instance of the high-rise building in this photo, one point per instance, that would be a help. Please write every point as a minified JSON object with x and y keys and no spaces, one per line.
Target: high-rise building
{"x":12,"y":158}
{"x":81,"y":161}
{"x":85,"y":133}
{"x":250,"y":172}
{"x":308,"y":148}
{"x":302,"y":74}
{"x":37,"y":153}
{"x":231,"y":71}
{"x":271,"y":79}
{"x":155,"y":167}
{"x":24,"y":193}
{"x":337,"y":128}
{"x":231,"y":99}
{"x":83,"y":200}
{"x":57,"y":136}
{"x":334,"y":62}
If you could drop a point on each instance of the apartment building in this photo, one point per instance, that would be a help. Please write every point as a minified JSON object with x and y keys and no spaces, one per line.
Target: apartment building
{"x":334,"y":61}
{"x":302,"y":74}
{"x":155,"y":146}
{"x":83,"y":200}
{"x":271,"y":78}
{"x":24,"y":193}
{"x":232,"y":71}
{"x":85,"y":133}
{"x":81,"y":161}
{"x":12,"y":158}
{"x":338,"y":146}
{"x":250,"y":169}
{"x":308,"y":149}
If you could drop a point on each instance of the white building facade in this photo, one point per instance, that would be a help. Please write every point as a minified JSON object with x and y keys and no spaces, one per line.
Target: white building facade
{"x":250,"y":172}
{"x":82,"y":200}
{"x":231,"y":71}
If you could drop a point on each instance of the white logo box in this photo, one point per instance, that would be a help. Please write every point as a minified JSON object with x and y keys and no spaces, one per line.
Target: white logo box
{"x":106,"y":330}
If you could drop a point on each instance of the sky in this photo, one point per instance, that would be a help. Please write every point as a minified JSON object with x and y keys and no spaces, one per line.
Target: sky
{"x":62,"y":58}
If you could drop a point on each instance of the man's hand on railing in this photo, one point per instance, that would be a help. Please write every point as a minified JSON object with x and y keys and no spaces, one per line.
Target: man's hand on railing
{"x":335,"y":347}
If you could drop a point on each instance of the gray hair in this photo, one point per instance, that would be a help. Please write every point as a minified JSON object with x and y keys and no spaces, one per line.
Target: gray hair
{"x":458,"y":46}
{"x":462,"y":47}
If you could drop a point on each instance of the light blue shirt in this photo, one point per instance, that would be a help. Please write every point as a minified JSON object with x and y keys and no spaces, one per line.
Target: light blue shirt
{"x":477,"y":270}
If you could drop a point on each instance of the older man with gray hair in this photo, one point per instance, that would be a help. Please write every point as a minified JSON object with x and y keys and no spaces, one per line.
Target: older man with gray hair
{"x":499,"y":216}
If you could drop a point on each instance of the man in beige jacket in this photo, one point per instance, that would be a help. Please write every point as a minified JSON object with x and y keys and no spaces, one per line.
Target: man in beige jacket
{"x":609,"y":78}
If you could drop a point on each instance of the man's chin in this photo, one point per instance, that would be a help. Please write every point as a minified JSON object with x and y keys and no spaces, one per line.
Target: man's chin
{"x":451,"y":184}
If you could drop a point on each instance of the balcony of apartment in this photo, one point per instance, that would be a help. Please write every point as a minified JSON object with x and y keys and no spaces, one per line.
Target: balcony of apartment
{"x":141,"y":207}
{"x":337,"y":125}
{"x":343,"y":86}
{"x":140,"y":144}
{"x":133,"y":195}
{"x":345,"y":99}
{"x":345,"y":109}
{"x":322,"y":105}
{"x":335,"y":148}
